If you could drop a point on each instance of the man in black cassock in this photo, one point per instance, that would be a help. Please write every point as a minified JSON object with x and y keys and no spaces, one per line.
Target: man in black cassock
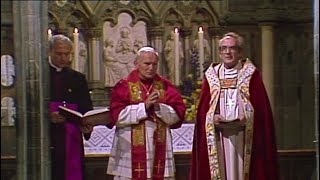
{"x":68,"y":88}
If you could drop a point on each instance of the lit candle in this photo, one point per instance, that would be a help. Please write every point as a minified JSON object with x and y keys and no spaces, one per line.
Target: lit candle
{"x":49,"y":37}
{"x":201,"y":51}
{"x":176,"y":57}
{"x":49,"y":34}
{"x":76,"y":49}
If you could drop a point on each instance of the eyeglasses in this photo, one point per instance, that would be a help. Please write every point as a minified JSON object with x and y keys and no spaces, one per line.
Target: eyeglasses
{"x":225,"y":49}
{"x":60,"y":54}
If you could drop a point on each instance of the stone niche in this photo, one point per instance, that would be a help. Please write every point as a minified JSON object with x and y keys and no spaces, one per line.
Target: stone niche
{"x":121,"y":42}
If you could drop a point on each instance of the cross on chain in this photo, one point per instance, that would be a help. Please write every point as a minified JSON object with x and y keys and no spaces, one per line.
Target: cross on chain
{"x":230,"y":103}
{"x":139,"y":169}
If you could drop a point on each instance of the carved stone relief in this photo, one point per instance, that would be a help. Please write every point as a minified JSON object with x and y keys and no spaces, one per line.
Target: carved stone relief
{"x":121,"y":43}
{"x":7,"y":70}
{"x":83,"y":57}
{"x":8,"y":111}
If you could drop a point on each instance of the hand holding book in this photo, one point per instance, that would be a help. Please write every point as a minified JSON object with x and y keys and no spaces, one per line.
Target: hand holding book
{"x":94,"y":117}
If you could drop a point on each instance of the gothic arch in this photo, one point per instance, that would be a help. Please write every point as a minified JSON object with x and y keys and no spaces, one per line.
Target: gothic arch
{"x":77,"y":19}
{"x":202,"y":16}
{"x":139,"y":15}
{"x":53,"y":21}
{"x":172,"y":17}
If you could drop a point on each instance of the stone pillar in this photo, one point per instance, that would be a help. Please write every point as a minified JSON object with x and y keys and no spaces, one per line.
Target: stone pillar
{"x":186,"y":33}
{"x":96,"y":70}
{"x":215,"y":33}
{"x":267,"y":35}
{"x":155,"y":39}
{"x":316,"y":78}
{"x":95,"y":53}
{"x":30,"y":20}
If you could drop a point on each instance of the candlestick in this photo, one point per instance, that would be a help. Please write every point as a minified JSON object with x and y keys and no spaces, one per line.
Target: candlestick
{"x":176,"y":57}
{"x":201,"y":51}
{"x":76,"y":49}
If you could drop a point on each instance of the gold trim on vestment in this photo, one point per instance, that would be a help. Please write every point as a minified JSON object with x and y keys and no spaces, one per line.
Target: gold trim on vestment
{"x":243,"y":82}
{"x":228,"y":83}
{"x":158,"y":85}
{"x":135,"y":91}
{"x":138,"y":131}
{"x":138,"y":135}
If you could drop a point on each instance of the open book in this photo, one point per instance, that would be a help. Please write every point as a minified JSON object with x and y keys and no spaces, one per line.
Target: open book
{"x":94,"y":117}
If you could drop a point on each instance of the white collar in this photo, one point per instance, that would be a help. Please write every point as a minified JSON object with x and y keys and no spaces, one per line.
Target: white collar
{"x":55,"y":67}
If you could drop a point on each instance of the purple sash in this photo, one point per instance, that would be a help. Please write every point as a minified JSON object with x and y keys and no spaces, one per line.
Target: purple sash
{"x":73,"y":146}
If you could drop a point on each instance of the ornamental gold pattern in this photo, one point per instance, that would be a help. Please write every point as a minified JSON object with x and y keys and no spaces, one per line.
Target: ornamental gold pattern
{"x":138,"y":135}
{"x":211,"y":135}
{"x":243,"y":82}
{"x":135,"y":91}
{"x":158,"y":85}
{"x":161,"y":132}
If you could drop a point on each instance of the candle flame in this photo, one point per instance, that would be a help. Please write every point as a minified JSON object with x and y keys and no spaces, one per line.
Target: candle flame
{"x":176,"y":30}
{"x":200,"y":29}
{"x":76,"y":30}
{"x":49,"y":31}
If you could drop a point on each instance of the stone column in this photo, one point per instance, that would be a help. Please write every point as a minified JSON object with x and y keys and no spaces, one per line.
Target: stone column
{"x":155,"y":39}
{"x":30,"y":20}
{"x":267,"y":35}
{"x":186,"y":33}
{"x":96,"y":69}
{"x":316,"y":79}
{"x":95,"y":53}
{"x":215,"y":33}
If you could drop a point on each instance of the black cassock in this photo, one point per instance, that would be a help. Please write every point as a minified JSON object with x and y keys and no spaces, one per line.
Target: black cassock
{"x":68,"y":87}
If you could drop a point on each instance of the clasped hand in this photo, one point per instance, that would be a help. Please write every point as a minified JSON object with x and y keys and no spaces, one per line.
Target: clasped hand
{"x":153,"y":101}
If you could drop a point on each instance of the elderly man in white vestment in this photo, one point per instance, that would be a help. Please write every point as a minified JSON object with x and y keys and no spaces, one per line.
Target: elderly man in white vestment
{"x":144,"y":107}
{"x":234,"y":133}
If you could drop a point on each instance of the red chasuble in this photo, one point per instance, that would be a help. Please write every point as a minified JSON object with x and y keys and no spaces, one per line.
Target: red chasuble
{"x":133,"y":91}
{"x":264,"y":163}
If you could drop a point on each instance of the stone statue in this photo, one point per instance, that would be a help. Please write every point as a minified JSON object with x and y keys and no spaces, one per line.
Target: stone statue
{"x":127,"y":37}
{"x":83,"y":55}
{"x":124,"y":45}
{"x":206,"y":46}
{"x":137,"y":44}
{"x":170,"y":56}
{"x":111,"y":64}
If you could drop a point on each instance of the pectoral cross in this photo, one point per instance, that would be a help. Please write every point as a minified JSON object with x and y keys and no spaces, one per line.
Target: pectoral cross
{"x":139,"y":170}
{"x":230,"y":103}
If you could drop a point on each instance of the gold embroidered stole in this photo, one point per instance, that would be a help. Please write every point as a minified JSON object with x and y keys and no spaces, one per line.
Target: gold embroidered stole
{"x":139,"y":153}
{"x":212,"y":136}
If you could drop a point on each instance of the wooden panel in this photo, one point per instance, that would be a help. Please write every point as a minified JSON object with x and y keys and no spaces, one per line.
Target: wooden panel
{"x":96,"y":167}
{"x":297,"y":164}
{"x":293,"y":164}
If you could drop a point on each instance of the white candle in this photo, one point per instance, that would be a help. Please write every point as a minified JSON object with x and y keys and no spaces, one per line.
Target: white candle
{"x":176,"y":57}
{"x":49,"y":37}
{"x":49,"y":34}
{"x":201,"y":51}
{"x":76,"y":49}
